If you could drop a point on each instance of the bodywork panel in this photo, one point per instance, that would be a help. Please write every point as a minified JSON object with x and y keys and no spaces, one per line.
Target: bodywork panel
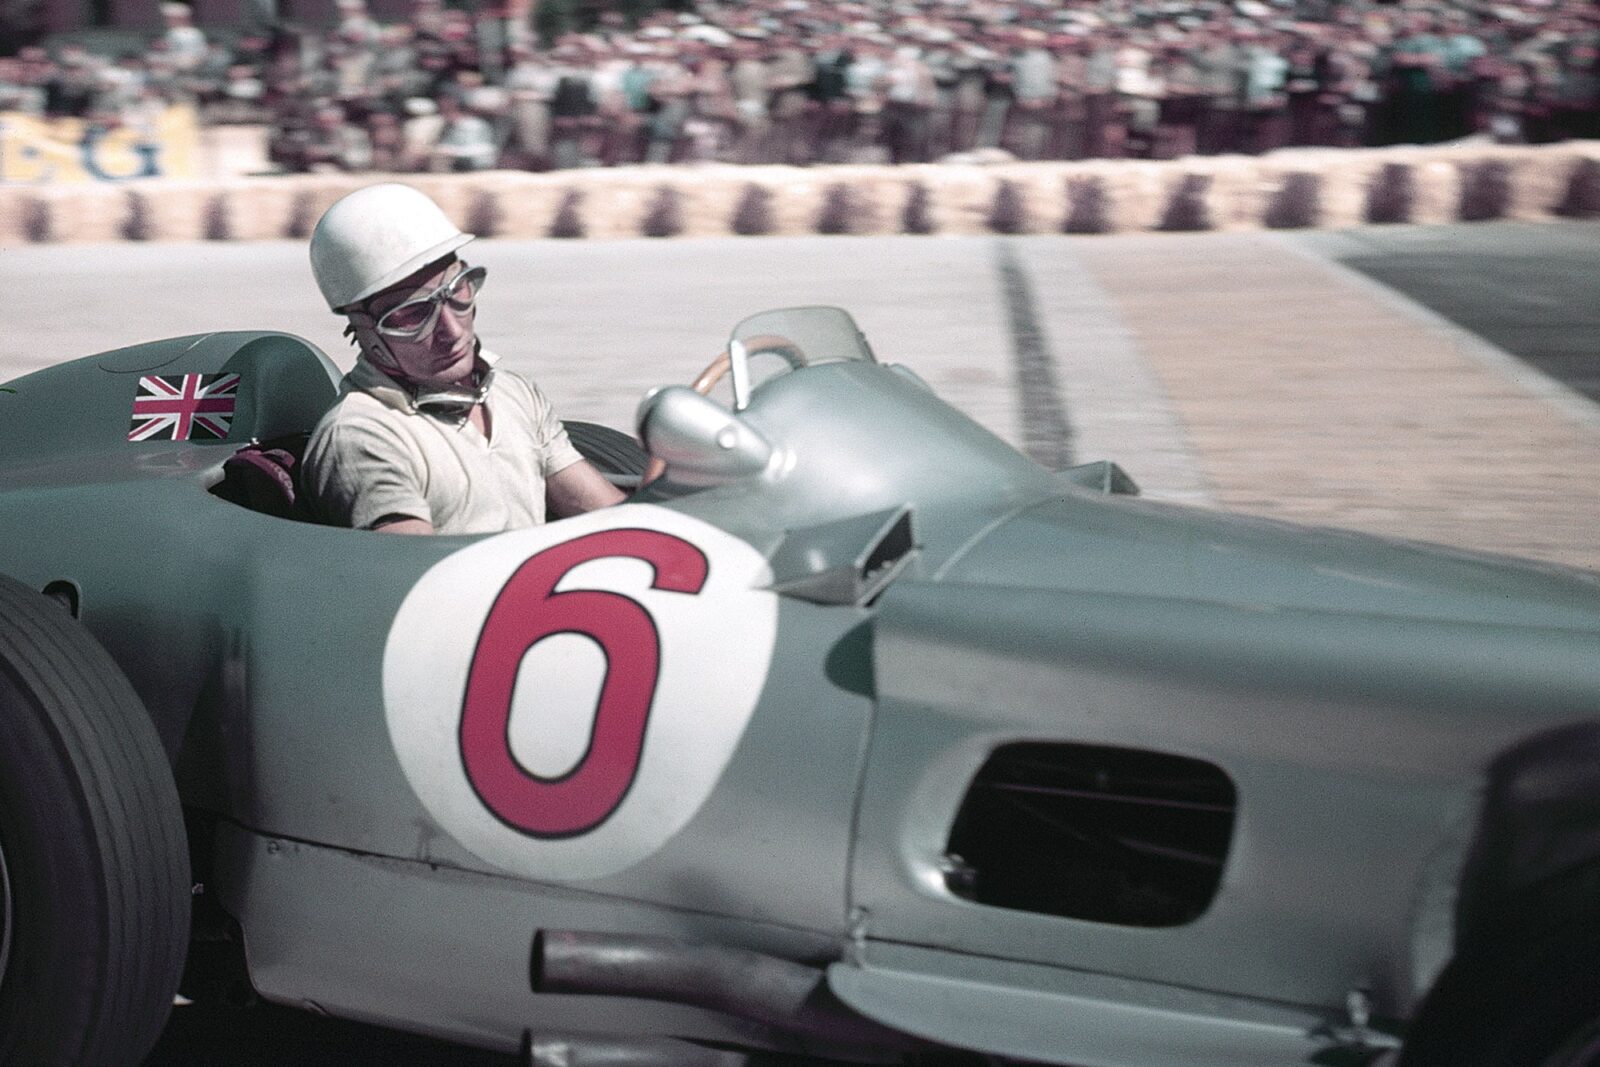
{"x":1356,"y":745}
{"x":449,"y":950}
{"x":1034,"y":1013}
{"x":1116,"y":545}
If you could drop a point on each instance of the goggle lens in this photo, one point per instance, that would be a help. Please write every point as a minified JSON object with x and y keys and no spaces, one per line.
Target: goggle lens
{"x":415,"y":317}
{"x":408,"y":318}
{"x":464,"y":293}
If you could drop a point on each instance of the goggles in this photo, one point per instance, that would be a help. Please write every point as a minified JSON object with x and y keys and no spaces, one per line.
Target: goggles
{"x":457,"y":404}
{"x":417,"y":317}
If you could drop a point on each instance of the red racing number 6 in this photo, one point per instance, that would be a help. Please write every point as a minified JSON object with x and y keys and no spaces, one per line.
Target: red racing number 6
{"x":528,"y":610}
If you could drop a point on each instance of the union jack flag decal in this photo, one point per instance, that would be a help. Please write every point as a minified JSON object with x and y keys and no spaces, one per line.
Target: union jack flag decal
{"x":184,"y":407}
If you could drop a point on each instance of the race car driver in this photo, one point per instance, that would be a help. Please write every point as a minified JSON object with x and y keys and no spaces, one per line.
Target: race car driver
{"x":427,"y":435}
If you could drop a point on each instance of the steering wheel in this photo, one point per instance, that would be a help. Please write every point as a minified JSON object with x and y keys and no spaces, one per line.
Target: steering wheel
{"x":761,"y":343}
{"x":718,"y":368}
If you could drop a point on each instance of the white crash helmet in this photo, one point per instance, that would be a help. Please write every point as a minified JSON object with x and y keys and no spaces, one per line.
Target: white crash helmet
{"x":376,"y":236}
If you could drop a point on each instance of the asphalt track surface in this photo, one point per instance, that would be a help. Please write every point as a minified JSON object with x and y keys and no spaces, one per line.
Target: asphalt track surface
{"x":1538,"y":299}
{"x":1438,"y":383}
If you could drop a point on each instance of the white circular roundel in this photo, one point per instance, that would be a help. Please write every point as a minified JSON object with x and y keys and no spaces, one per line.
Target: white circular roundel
{"x":564,"y":698}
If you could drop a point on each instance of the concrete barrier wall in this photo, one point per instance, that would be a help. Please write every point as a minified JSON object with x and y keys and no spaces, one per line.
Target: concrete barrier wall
{"x":1286,"y":190}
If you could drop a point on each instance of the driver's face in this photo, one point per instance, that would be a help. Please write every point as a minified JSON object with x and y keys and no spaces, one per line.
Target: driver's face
{"x":444,"y":356}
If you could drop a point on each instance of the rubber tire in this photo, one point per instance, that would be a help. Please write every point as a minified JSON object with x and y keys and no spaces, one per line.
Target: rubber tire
{"x":1530,"y":997}
{"x":94,"y":846}
{"x":611,"y":451}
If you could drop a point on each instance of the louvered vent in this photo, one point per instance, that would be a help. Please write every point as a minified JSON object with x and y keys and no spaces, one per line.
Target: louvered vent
{"x":1110,"y":835}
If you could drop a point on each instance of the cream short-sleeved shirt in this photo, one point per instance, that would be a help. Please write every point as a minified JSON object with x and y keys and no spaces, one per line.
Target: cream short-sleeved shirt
{"x":374,"y":455}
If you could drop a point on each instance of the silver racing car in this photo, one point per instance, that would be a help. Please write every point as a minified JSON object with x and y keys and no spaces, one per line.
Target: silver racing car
{"x":853,"y":735}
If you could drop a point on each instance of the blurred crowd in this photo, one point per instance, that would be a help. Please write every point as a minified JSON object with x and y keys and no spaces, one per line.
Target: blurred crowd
{"x":803,"y":81}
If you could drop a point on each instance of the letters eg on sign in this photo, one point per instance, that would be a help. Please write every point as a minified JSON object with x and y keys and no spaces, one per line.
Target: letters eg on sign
{"x":41,"y":151}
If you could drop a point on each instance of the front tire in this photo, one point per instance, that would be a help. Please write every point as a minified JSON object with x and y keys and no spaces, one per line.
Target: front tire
{"x":613,"y":452}
{"x":1529,"y":996}
{"x":94,"y":870}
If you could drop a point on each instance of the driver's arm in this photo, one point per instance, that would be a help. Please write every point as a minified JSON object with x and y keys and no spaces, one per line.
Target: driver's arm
{"x":404,"y":524}
{"x":577,"y":488}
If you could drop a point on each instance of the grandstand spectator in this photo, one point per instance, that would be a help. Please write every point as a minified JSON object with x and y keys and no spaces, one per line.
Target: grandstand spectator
{"x":790,"y":71}
{"x":397,"y":75}
{"x":419,"y":132}
{"x":72,"y":83}
{"x":353,"y":50}
{"x":466,"y":141}
{"x":123,"y":89}
{"x":387,"y":140}
{"x":800,"y":81}
{"x":23,"y":82}
{"x":713,"y":114}
{"x":572,"y":106}
{"x":183,"y":42}
{"x":334,"y":143}
{"x":671,"y":87}
{"x":830,"y":109}
{"x":1034,"y":89}
{"x":531,"y":85}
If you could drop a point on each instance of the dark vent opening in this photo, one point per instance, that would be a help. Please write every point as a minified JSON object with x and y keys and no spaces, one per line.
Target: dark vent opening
{"x":895,"y":544}
{"x":1109,"y":835}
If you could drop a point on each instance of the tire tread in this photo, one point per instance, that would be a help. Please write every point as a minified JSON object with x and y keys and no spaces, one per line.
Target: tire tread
{"x":100,"y":729}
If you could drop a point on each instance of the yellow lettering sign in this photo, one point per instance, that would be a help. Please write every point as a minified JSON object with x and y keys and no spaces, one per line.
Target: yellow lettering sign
{"x":36,"y":151}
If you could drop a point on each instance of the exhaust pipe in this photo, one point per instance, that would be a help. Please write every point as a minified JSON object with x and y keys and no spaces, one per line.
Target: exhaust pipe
{"x":588,"y":1050}
{"x":786,"y":996}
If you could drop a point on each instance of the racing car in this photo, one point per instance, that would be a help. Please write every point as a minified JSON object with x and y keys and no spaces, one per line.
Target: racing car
{"x":853,"y":735}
